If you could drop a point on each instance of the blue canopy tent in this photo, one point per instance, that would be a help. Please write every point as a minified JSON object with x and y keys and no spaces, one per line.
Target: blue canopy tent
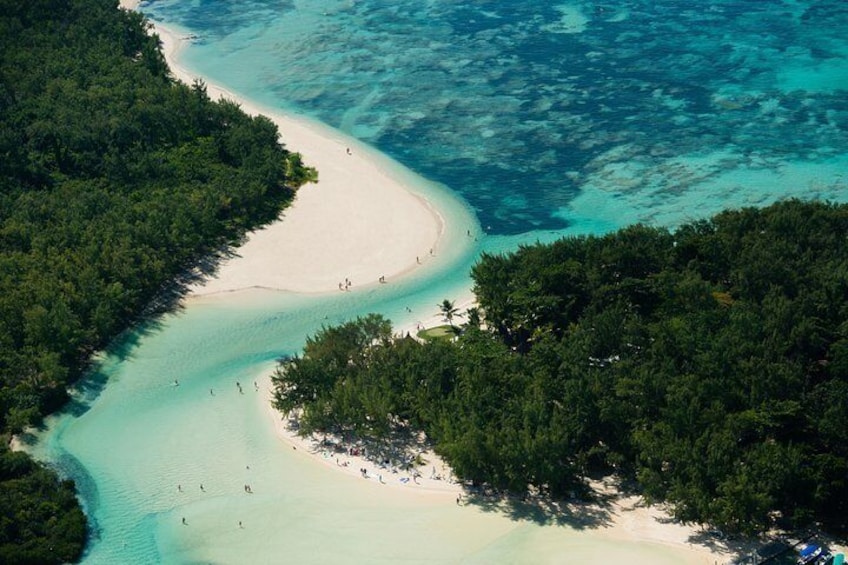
{"x":809,"y":553}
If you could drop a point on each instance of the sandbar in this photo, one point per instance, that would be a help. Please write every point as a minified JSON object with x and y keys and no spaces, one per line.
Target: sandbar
{"x":360,"y":222}
{"x":363,"y":222}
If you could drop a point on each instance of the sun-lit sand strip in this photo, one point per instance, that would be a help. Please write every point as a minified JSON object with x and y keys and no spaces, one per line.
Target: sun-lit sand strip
{"x":630,"y":520}
{"x":432,"y":475}
{"x":359,"y":223}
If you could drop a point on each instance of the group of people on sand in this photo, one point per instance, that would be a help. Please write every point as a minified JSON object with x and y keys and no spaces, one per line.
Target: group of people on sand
{"x":383,"y":463}
{"x":345,"y":286}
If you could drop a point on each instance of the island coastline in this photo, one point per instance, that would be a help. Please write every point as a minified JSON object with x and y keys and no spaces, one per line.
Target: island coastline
{"x":630,"y":520}
{"x":362,"y":224}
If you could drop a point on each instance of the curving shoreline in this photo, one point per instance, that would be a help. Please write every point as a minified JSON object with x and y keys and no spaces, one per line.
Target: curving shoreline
{"x":316,"y":240}
{"x":435,"y":477}
{"x":321,"y":242}
{"x":363,"y":221}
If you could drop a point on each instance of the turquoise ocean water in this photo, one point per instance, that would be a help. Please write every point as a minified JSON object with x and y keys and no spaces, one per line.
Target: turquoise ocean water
{"x":545,"y":119}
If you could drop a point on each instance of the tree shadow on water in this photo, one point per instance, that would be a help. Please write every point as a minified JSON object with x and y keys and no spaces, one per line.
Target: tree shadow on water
{"x":169,"y":300}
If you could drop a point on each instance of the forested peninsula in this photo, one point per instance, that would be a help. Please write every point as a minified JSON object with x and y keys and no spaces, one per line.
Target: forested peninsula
{"x":707,"y":365}
{"x":115,"y":181}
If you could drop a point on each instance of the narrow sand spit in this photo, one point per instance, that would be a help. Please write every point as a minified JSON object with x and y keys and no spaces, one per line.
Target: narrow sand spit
{"x":361,"y":221}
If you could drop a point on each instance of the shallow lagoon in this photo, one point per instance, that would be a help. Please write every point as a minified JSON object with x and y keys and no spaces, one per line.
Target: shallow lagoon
{"x":522,"y":107}
{"x":547,"y":120}
{"x":144,"y":445}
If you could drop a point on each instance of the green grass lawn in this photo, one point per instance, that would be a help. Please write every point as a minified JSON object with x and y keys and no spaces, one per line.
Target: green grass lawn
{"x":438,"y":332}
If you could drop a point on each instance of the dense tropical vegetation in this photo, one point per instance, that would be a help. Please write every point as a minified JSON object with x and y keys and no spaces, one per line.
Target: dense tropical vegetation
{"x":114,"y":180}
{"x":708,"y":364}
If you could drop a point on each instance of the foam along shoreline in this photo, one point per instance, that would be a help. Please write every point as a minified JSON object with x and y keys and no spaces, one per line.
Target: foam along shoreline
{"x":363,"y":221}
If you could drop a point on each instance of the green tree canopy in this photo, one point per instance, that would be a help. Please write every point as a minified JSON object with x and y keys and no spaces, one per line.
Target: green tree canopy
{"x":707,"y":363}
{"x":114,"y":181}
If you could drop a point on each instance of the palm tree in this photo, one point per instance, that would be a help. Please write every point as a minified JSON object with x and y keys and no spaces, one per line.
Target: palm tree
{"x":474,"y":317}
{"x":448,"y":310}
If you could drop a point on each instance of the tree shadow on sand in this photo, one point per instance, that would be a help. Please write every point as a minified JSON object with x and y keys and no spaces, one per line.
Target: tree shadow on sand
{"x":406,"y":452}
{"x":590,"y":511}
{"x":598,"y":502}
{"x":732,"y":549}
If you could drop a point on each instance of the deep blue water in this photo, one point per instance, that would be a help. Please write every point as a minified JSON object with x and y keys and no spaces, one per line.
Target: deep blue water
{"x":651,"y":110}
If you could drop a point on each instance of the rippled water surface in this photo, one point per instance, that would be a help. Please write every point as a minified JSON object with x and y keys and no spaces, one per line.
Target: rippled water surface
{"x":542,"y":115}
{"x":547,"y":119}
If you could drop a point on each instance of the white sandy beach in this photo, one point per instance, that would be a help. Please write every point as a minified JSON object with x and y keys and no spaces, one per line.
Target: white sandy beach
{"x":361,"y":222}
{"x":432,"y":477}
{"x":630,"y":519}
